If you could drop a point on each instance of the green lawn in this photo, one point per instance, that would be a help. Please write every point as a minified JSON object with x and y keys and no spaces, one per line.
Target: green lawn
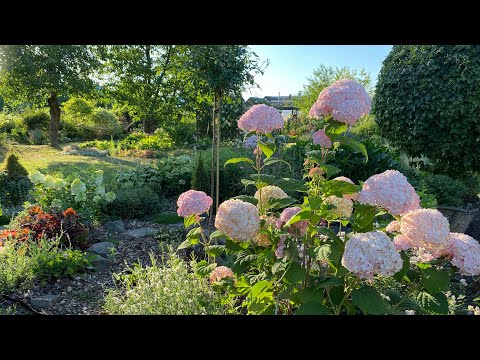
{"x":48,"y":160}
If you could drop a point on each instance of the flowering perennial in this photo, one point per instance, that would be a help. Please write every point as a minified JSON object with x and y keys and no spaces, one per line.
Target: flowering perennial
{"x":193,"y":202}
{"x":220,"y":273}
{"x":391,"y":191}
{"x":238,"y":219}
{"x":269,"y":192}
{"x":261,"y":118}
{"x":346,"y":100}
{"x":465,"y":252}
{"x":322,"y":139}
{"x":367,"y":254}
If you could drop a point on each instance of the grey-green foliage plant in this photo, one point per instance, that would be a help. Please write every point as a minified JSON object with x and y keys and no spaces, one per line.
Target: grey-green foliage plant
{"x":41,"y":74}
{"x":168,"y":288}
{"x":427,"y":102}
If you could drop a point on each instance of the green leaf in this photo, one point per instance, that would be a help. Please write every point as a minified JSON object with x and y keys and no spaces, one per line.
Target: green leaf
{"x":275,"y":203}
{"x":249,"y":182}
{"x":363,"y":218}
{"x":303,"y":214}
{"x":335,"y":128}
{"x":295,"y":273}
{"x":354,"y":145}
{"x":267,"y":179}
{"x":267,"y":148}
{"x":290,"y":185}
{"x":189,"y":220}
{"x":312,"y":294}
{"x":259,"y":288}
{"x":423,"y":266}
{"x":248,"y":199}
{"x":370,"y":301}
{"x":204,"y":269}
{"x":273,"y":161}
{"x":435,"y":281}
{"x":215,"y":250}
{"x":184,"y":245}
{"x":334,"y":281}
{"x":233,"y":246}
{"x":330,"y":170}
{"x":315,"y":202}
{"x":216,"y":234}
{"x":437,"y":304}
{"x":237,"y":160}
{"x":313,"y":308}
{"x":338,"y":188}
{"x":406,"y":265}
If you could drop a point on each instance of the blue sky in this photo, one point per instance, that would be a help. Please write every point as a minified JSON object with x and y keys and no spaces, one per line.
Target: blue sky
{"x":290,"y":65}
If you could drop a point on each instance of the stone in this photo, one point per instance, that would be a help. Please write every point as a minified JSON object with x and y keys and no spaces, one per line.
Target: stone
{"x":100,"y":263}
{"x":115,"y":226}
{"x":142,"y":232}
{"x":101,"y":248}
{"x":177,"y":225}
{"x":44,"y":301}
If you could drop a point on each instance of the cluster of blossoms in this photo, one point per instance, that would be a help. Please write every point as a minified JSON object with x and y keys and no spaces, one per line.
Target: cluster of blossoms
{"x":220,"y":273}
{"x":250,"y":142}
{"x":193,"y":202}
{"x":315,"y":171}
{"x":346,"y":100}
{"x":367,"y":254}
{"x":391,"y":191}
{"x":343,"y":206}
{"x":261,"y":118}
{"x":238,"y":219}
{"x":267,"y":193}
{"x":427,"y":232}
{"x":322,"y":139}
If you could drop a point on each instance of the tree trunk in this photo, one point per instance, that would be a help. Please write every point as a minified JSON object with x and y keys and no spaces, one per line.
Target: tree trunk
{"x":218,"y":103}
{"x":54,"y":119}
{"x":212,"y":175}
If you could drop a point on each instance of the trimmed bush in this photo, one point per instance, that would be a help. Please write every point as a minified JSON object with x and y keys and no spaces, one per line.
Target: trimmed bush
{"x":427,"y":102}
{"x":36,"y":120}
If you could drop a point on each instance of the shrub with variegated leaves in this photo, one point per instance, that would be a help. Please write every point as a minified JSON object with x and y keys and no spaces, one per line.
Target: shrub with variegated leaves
{"x":86,"y":193}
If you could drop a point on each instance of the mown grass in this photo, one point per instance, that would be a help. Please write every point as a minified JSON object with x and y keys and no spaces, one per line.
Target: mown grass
{"x":49,"y":160}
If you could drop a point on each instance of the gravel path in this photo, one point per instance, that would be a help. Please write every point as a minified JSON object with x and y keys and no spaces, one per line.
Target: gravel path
{"x":83,"y":295}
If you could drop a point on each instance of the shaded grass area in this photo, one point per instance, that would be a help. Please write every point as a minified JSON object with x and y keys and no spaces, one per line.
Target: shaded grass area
{"x":53,"y":161}
{"x":166,"y":218}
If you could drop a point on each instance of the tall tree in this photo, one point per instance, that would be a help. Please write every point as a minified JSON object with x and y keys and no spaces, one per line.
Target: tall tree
{"x":221,"y":70}
{"x":42,"y":73}
{"x":324,"y":76}
{"x":144,"y":79}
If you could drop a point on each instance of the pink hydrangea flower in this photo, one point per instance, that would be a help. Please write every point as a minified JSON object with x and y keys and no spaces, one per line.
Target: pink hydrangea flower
{"x":279,"y":251}
{"x":352,"y":196}
{"x":401,"y":242}
{"x":193,"y":202}
{"x":465,"y":252}
{"x":297,"y":229}
{"x":238,"y":219}
{"x":346,"y":100}
{"x":261,"y":118}
{"x":342,"y":207}
{"x":427,"y":228}
{"x":394,"y":226}
{"x":220,"y":273}
{"x":322,"y":139}
{"x":367,"y":254}
{"x":391,"y":191}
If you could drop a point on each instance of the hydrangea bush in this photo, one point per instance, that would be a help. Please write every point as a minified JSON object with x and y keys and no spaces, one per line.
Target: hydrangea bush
{"x":292,"y":257}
